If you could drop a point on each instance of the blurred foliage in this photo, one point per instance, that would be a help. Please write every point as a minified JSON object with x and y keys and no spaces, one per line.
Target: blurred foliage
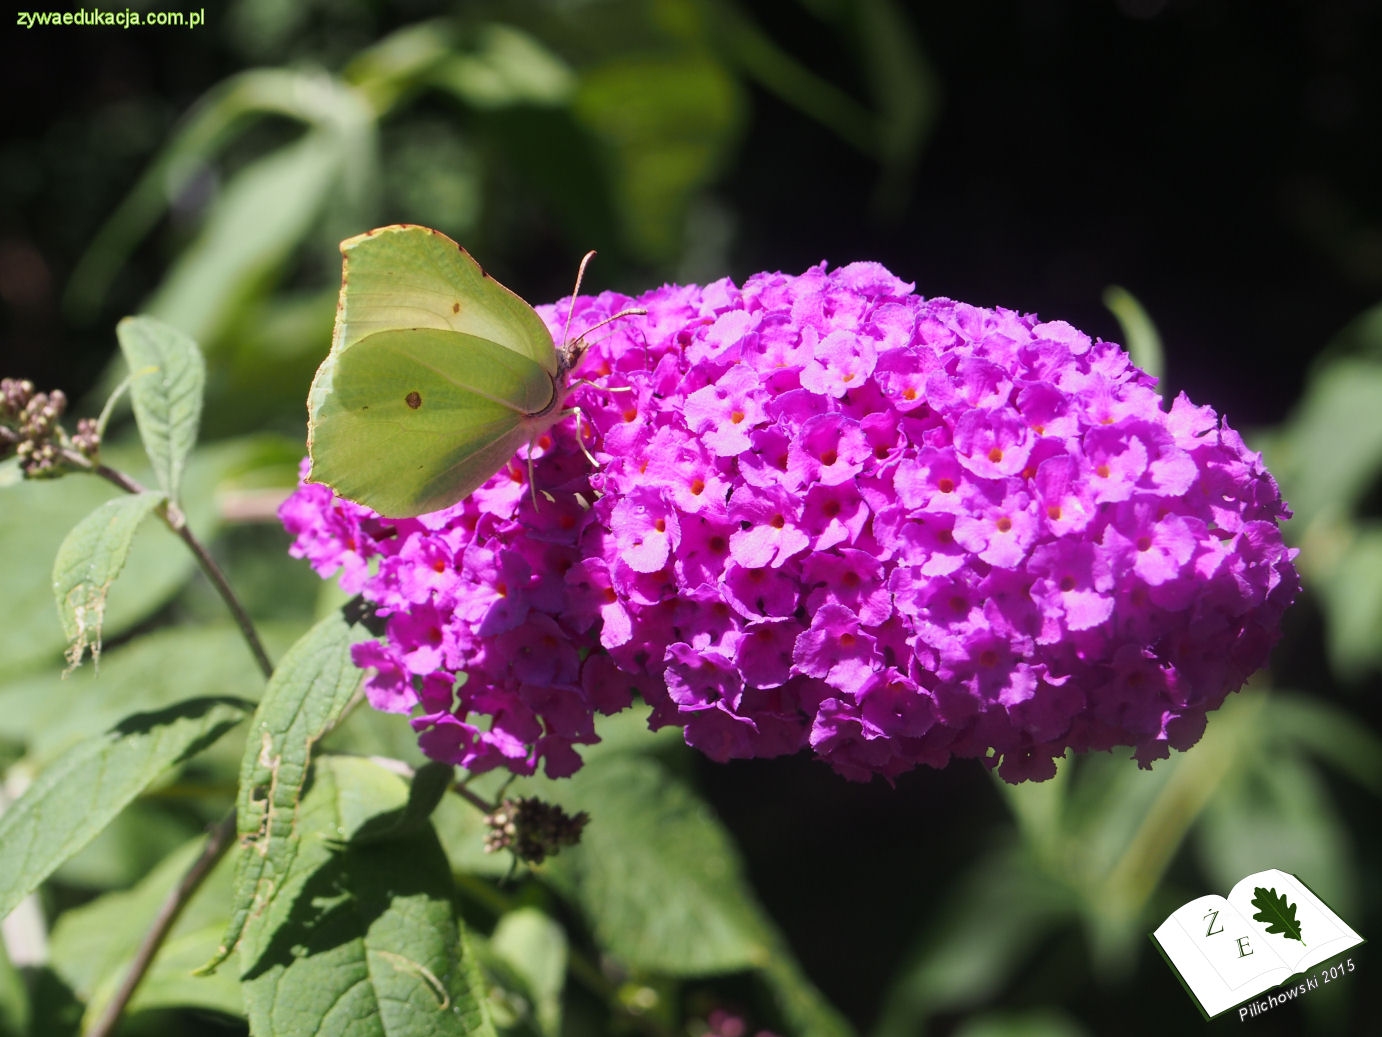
{"x":532,"y":131}
{"x":567,"y":126}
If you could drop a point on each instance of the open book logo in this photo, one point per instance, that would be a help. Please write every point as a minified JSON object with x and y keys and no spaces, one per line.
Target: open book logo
{"x":1271,"y":927}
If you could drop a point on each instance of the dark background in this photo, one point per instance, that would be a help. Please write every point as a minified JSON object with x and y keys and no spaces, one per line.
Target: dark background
{"x":1220,"y":160}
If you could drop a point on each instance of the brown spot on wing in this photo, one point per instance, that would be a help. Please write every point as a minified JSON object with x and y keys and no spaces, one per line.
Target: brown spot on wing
{"x":413,"y":399}
{"x":455,"y":307}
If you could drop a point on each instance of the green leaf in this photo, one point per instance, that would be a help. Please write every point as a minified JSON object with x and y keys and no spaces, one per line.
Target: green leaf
{"x":88,"y":562}
{"x":983,"y":929}
{"x":363,"y":940}
{"x":92,"y":945}
{"x":169,"y":377}
{"x":764,"y":61}
{"x":1349,"y":586}
{"x":506,"y":67}
{"x":1277,"y":912}
{"x":429,"y":784}
{"x":1140,"y":337}
{"x":49,"y":713}
{"x":39,"y":512}
{"x":1276,"y":803}
{"x":905,"y":91}
{"x":534,"y":947}
{"x":656,"y":874}
{"x":75,"y":798}
{"x":14,"y":998}
{"x":252,"y":229}
{"x":1331,"y":734}
{"x":659,"y":880}
{"x":218,"y":118}
{"x":667,"y":124}
{"x":308,"y":690}
{"x":1330,"y":450}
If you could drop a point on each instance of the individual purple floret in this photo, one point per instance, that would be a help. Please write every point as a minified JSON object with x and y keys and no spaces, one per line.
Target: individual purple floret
{"x":829,"y":513}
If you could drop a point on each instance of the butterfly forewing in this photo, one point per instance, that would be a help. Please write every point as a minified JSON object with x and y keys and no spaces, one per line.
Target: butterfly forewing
{"x":403,"y":277}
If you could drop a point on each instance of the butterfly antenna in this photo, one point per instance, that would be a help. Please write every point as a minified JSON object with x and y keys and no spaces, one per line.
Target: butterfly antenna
{"x":580,"y":276}
{"x":611,"y":319}
{"x":592,"y":345}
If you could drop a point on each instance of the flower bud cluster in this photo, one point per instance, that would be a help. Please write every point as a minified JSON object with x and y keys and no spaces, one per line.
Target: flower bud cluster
{"x":830,"y":514}
{"x":532,"y":829}
{"x":29,"y":427}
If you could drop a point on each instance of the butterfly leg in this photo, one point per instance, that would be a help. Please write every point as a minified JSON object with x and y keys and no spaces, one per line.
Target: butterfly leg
{"x":580,"y":439}
{"x":532,"y":481}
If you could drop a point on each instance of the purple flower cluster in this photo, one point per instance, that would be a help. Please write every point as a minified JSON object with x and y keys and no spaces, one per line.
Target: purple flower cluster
{"x":831,"y":513}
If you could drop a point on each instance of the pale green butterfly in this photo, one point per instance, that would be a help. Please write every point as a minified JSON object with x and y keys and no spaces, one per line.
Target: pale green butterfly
{"x":437,"y":374}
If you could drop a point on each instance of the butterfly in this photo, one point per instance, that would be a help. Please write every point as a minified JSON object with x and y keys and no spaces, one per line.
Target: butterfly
{"x":437,"y":374}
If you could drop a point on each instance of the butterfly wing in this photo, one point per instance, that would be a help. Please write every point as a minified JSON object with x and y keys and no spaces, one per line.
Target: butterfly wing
{"x":410,"y":421}
{"x":407,"y":276}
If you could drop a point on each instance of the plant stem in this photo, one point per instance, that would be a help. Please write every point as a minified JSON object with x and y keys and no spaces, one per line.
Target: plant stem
{"x":177,"y":522}
{"x":478,"y":802}
{"x":218,"y":841}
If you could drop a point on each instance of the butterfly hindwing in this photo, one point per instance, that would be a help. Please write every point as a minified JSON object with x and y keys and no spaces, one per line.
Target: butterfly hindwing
{"x":412,"y":420}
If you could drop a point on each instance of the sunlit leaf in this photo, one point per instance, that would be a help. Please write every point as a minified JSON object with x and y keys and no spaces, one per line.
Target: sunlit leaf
{"x":667,"y":124}
{"x":505,"y":66}
{"x":305,"y":696}
{"x":363,"y":940}
{"x":49,"y":713}
{"x":44,"y":511}
{"x":1349,"y":586}
{"x":88,"y":562}
{"x":656,"y":874}
{"x":1276,"y":807}
{"x":1330,"y":450}
{"x":169,"y":377}
{"x":219,"y":117}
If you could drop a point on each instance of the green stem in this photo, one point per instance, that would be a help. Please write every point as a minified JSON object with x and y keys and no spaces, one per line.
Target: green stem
{"x":478,"y":802}
{"x":1180,"y":802}
{"x":177,"y":522}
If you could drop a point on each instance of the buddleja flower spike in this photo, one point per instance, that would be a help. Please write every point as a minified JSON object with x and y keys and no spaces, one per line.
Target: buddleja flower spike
{"x":833,"y":515}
